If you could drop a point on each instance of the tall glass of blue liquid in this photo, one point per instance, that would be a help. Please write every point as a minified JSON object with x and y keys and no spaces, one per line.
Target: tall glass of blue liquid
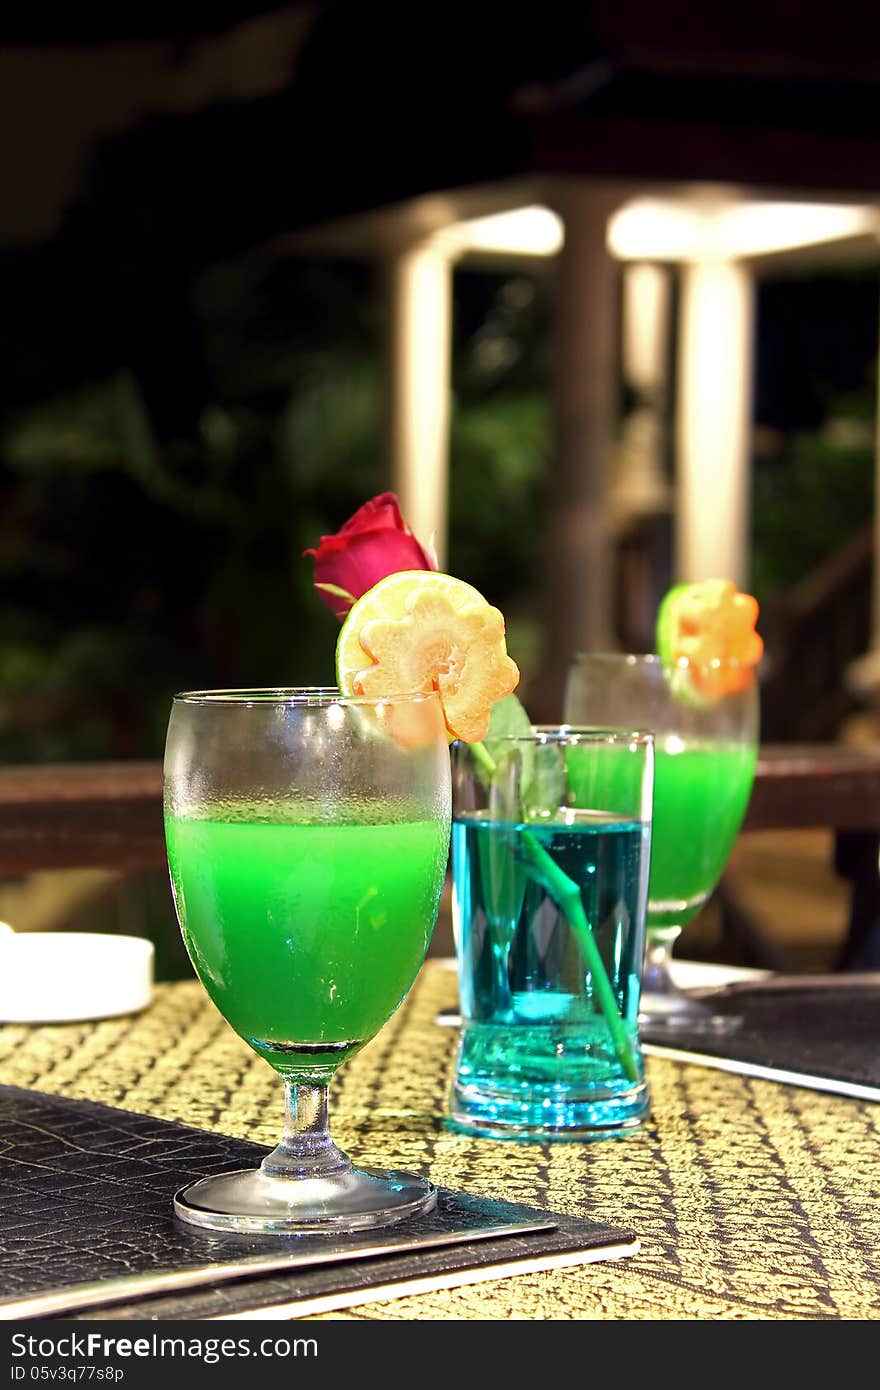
{"x":551,"y":844}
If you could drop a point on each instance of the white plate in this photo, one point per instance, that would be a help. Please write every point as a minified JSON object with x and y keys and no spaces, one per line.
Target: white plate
{"x":59,"y":977}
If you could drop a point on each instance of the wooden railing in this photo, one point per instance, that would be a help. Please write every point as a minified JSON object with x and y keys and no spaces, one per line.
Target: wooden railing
{"x":833,"y":786}
{"x":105,"y":815}
{"x":812,"y":633}
{"x":110,"y":815}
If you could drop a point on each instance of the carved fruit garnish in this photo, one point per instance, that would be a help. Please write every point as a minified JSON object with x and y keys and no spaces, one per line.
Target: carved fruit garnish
{"x":710,"y":624}
{"x":420,"y":630}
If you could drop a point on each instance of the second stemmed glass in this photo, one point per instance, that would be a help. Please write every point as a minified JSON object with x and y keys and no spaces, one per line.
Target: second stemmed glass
{"x":308,"y":839}
{"x":705,"y":755}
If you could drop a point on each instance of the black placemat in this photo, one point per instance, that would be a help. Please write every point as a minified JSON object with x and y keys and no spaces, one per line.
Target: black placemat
{"x":87,"y":1228}
{"x":821,"y":1032}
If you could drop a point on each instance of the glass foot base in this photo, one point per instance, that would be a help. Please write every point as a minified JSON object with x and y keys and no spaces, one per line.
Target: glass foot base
{"x":484,"y":1128}
{"x":255,"y":1202}
{"x":540,"y":1118}
{"x":540,"y":1078}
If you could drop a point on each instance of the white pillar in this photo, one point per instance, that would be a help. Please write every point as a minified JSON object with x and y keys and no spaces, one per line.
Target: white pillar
{"x":645,"y":327}
{"x":640,"y":485}
{"x":714,"y":421}
{"x":419,"y":351}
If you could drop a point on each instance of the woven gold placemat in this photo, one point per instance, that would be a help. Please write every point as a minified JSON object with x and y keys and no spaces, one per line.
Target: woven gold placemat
{"x":751,"y":1199}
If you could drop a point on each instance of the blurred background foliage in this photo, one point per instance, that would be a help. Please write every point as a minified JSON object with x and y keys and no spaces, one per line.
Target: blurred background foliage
{"x":154,"y":516}
{"x":811,"y":495}
{"x":152,"y":535}
{"x":815,"y":410}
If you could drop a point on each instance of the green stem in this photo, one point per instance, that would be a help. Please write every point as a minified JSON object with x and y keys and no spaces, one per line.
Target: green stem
{"x":568,"y":895}
{"x":482,"y":756}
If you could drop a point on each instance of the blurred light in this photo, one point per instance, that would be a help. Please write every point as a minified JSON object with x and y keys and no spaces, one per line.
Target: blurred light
{"x":528,"y":231}
{"x":753,"y":229}
{"x":648,"y":230}
{"x":335,"y":717}
{"x":661,"y":230}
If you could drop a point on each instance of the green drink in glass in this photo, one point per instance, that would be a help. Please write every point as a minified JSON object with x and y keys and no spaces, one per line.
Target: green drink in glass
{"x":705,"y":755}
{"x":339,"y":915}
{"x":308,"y":839}
{"x":706,"y":788}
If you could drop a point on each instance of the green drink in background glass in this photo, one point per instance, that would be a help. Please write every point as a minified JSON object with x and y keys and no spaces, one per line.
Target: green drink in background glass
{"x":705,"y":755}
{"x":308,"y":839}
{"x":701,"y":792}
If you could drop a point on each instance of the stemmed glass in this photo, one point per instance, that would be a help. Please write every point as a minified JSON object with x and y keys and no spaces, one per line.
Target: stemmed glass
{"x":705,"y":754}
{"x":307,"y":838}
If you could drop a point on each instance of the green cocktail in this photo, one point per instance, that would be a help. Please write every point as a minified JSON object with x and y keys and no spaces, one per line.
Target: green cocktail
{"x":307,"y":936}
{"x":308,"y":838}
{"x":705,"y":751}
{"x":701,"y":792}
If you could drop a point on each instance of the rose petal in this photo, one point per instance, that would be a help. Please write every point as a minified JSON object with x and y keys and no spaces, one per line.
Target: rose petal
{"x":373,"y":543}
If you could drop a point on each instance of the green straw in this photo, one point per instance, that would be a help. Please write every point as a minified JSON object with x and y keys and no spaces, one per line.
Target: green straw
{"x":568,"y":895}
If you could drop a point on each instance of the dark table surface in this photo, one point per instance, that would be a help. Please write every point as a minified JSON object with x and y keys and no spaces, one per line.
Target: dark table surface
{"x":751,"y":1199}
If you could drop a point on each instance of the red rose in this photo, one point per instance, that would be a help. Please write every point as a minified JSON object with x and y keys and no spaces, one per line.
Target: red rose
{"x":373,"y":543}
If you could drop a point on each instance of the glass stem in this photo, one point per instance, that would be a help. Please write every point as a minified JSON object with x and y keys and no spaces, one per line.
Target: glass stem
{"x":656,"y":978}
{"x":306,"y":1149}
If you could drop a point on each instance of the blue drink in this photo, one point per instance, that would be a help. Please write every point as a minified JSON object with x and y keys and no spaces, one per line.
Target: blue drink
{"x":538,"y":1058}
